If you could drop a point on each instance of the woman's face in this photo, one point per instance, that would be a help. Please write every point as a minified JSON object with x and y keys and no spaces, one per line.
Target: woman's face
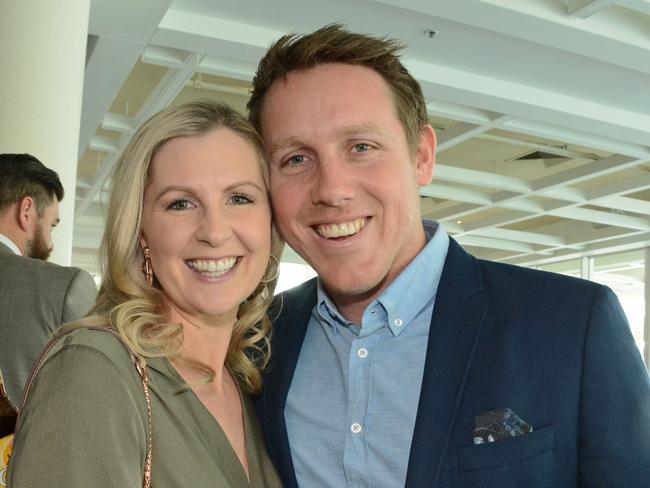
{"x":207,"y":223}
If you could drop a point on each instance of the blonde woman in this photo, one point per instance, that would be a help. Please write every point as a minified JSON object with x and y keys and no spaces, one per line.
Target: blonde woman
{"x":189,"y":266}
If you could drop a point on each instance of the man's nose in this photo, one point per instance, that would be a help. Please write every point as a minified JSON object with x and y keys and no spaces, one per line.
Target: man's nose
{"x":334,"y":184}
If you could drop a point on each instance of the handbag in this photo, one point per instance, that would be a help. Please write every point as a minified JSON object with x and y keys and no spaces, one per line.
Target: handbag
{"x":7,"y":427}
{"x":7,"y":413}
{"x":140,"y":366}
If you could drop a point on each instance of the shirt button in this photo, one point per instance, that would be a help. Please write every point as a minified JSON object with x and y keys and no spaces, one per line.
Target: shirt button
{"x":355,"y":428}
{"x":398,"y":322}
{"x":362,"y":353}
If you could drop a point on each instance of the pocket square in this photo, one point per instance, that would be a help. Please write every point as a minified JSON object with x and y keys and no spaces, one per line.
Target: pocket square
{"x":497,"y":425}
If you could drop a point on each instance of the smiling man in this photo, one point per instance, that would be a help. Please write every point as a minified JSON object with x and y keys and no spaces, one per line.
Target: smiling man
{"x":35,"y":296}
{"x":408,"y":362}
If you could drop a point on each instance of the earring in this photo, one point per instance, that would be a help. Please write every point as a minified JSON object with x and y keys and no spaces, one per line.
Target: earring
{"x":147,"y":270}
{"x":265,"y":290}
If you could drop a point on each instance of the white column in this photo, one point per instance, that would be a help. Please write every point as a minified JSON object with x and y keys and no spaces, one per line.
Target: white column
{"x":42,"y":60}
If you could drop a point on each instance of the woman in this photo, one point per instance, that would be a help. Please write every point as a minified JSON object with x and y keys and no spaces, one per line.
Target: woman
{"x":188,"y":272}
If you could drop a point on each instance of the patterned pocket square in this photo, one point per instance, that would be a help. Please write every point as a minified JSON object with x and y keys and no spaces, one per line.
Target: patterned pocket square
{"x":497,"y":425}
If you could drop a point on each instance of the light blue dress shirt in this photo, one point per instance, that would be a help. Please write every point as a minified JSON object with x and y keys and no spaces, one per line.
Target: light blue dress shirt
{"x":352,"y":404}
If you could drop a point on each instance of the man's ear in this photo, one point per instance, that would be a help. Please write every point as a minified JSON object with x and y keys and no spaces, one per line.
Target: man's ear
{"x":26,"y":213}
{"x":425,"y":155}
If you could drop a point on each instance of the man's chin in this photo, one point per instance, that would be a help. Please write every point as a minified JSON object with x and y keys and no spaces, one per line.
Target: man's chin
{"x":39,"y":252}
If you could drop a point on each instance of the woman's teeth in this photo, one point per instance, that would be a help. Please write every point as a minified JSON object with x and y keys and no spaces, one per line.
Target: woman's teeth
{"x":212,"y":267}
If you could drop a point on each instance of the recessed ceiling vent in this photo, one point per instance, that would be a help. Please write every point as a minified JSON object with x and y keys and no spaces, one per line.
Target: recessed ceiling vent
{"x":548,"y":158}
{"x":538,"y":155}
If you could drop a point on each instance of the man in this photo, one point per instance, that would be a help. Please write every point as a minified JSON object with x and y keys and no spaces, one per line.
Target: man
{"x":408,"y":362}
{"x":35,"y":296}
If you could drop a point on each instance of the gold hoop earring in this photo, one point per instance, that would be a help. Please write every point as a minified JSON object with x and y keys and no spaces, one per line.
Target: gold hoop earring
{"x":147,"y":270}
{"x":265,"y":290}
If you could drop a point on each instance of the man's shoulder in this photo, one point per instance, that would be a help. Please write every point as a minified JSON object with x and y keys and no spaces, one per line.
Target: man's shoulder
{"x":513,"y":271}
{"x":291,"y":302}
{"x":22,"y":264}
{"x":512,"y":282}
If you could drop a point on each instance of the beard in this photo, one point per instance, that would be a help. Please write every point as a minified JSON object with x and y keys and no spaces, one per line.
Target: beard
{"x":37,"y":248}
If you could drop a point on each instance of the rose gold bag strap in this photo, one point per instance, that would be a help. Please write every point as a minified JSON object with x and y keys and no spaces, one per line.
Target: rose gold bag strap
{"x":140,"y":366}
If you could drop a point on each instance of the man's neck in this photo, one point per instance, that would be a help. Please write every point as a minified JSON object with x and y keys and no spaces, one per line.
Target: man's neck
{"x":352,"y":306}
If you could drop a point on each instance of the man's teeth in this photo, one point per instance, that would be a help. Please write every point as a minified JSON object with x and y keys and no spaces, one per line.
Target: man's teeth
{"x":331,"y":231}
{"x":212,"y":267}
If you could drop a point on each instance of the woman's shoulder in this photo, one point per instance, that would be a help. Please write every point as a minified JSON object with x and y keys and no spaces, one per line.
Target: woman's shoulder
{"x":88,"y":344}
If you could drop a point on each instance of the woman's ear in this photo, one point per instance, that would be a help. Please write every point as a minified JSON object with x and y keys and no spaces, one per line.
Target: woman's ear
{"x":143,"y":242}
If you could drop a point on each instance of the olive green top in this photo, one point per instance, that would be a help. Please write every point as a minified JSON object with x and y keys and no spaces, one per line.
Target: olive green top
{"x":85,"y":424}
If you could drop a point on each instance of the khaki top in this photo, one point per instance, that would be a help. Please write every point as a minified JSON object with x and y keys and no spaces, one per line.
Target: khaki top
{"x":85,"y":424}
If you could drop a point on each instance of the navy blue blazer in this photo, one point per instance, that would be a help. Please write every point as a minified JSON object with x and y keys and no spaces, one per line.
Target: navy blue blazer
{"x":556,"y":350}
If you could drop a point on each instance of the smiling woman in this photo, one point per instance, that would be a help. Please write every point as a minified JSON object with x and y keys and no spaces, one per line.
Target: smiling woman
{"x":188,"y":259}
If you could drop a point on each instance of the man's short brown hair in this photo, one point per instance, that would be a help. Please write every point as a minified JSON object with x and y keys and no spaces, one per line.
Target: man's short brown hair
{"x":22,"y":175}
{"x":334,"y":44}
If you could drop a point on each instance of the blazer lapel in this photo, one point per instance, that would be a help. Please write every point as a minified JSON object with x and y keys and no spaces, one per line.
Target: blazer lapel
{"x":288,"y":336}
{"x":458,"y":314}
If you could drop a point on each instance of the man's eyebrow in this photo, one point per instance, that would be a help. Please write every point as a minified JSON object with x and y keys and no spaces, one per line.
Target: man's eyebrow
{"x":349,"y":130}
{"x":283,"y":143}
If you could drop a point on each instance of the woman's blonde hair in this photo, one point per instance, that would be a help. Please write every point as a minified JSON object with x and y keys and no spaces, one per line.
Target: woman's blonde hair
{"x":125,"y":301}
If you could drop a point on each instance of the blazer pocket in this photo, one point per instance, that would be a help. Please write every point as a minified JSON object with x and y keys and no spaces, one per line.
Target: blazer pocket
{"x":500,"y":453}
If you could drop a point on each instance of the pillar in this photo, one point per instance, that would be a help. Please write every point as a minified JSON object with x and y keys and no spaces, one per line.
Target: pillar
{"x":42,"y":60}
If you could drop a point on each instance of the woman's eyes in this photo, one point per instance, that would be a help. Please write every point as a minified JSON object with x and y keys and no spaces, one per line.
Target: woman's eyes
{"x":241,"y":199}
{"x":236,"y":199}
{"x":180,"y":205}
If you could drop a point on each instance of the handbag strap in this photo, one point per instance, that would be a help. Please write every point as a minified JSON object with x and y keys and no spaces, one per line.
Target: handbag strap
{"x":140,"y":366}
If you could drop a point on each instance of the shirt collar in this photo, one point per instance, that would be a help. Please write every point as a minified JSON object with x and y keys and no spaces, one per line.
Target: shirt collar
{"x":411,"y":292}
{"x":10,"y":244}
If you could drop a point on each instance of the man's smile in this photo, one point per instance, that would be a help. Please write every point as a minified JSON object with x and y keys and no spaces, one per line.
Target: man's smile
{"x":343,"y":229}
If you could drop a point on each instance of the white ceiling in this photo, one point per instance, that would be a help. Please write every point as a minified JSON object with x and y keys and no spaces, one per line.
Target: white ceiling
{"x":502,"y":78}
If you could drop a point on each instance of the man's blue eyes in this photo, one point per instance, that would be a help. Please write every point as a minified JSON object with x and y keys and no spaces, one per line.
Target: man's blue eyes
{"x":361,"y":147}
{"x":299,"y":158}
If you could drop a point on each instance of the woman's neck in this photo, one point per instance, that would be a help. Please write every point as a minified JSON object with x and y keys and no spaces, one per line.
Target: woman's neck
{"x":205,"y":340}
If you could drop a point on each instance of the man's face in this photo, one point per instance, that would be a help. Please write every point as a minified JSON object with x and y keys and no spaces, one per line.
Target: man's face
{"x":344,"y":182}
{"x":40,"y":246}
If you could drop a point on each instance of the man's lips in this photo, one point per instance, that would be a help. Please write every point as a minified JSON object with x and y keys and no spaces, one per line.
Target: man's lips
{"x":342,"y":229}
